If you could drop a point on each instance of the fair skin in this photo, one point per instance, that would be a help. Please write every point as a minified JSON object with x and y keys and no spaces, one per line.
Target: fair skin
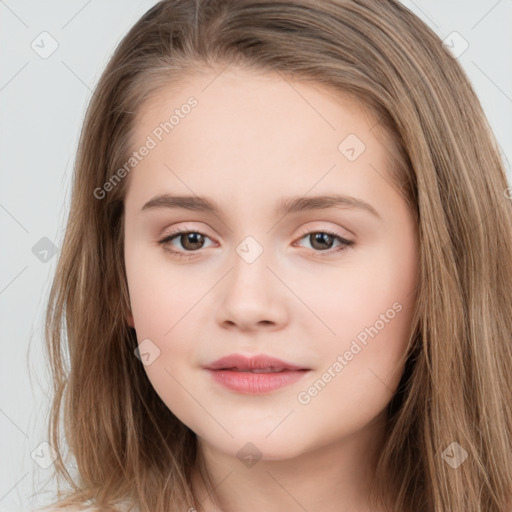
{"x":254,"y":140}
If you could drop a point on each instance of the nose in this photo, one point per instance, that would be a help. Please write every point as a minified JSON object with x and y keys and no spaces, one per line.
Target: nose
{"x":252,"y":296}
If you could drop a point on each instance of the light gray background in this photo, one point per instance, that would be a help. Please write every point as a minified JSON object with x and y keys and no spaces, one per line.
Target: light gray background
{"x":43,"y":103}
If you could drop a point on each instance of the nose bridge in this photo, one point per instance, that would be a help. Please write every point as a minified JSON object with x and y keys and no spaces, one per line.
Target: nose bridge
{"x":250,"y":264}
{"x":252,"y":248}
{"x":251,"y":294}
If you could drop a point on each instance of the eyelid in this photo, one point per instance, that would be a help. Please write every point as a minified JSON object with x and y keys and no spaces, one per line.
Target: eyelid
{"x":346,"y":243}
{"x":185,"y":228}
{"x":322,"y":228}
{"x":303,"y":231}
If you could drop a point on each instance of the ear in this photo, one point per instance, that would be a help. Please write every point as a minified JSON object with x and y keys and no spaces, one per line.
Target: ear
{"x":129,"y":319}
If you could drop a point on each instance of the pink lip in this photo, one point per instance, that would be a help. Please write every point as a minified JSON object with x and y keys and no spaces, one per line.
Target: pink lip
{"x":260,"y":361}
{"x":228,"y":371}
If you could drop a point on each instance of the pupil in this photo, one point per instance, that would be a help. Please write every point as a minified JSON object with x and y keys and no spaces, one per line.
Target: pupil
{"x":193,"y":238}
{"x":322,"y":238}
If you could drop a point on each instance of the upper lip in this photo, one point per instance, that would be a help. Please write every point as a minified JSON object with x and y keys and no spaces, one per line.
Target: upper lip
{"x":258,"y":362}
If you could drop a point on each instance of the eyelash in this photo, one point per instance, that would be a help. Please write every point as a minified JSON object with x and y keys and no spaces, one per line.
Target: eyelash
{"x":190,"y":254}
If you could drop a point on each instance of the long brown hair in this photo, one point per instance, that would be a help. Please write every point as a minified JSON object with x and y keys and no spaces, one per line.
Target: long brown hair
{"x":456,"y":389}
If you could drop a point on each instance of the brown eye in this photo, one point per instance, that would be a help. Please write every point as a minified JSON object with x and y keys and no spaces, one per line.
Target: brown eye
{"x":190,"y":242}
{"x":322,"y":241}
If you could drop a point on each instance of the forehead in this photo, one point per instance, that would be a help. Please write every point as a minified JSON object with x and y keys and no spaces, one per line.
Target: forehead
{"x":234,"y":97}
{"x":254,"y":130}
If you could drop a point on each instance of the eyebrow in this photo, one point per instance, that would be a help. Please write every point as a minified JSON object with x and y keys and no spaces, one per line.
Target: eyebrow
{"x":286,"y":206}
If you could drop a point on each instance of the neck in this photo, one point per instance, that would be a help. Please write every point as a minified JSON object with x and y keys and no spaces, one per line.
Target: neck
{"x":335,"y":477}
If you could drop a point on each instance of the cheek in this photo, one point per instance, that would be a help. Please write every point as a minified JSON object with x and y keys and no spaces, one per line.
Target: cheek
{"x":368,"y":307}
{"x":161,"y":292}
{"x":162,"y":301}
{"x":370,"y":287}
{"x":362,"y":364}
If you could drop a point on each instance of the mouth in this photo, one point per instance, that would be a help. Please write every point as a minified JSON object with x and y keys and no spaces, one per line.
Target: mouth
{"x":261,"y":370}
{"x":254,"y":374}
{"x":255,"y":363}
{"x":257,"y":381}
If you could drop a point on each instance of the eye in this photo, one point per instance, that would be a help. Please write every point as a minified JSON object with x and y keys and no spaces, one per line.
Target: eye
{"x":322,"y":241}
{"x":191,"y":242}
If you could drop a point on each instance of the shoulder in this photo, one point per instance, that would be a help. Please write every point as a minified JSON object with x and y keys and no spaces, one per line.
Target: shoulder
{"x":65,"y":509}
{"x":82,"y":508}
{"x":55,"y":508}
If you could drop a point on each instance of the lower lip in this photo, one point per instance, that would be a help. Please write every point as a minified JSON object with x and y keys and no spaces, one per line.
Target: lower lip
{"x":256,"y":383}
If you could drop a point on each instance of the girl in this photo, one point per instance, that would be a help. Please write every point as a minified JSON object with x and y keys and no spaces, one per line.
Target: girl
{"x":286,"y":278}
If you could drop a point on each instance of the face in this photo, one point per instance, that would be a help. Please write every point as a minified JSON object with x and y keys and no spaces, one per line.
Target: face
{"x":328,"y":289}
